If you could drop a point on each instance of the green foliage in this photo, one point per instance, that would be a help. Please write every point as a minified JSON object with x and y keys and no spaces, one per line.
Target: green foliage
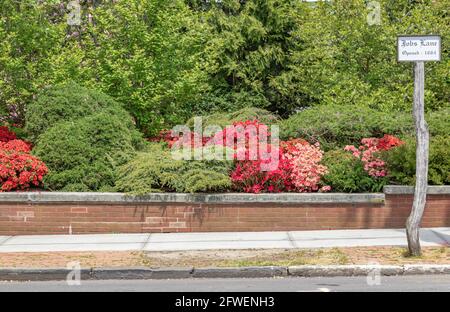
{"x":83,"y":154}
{"x":147,"y":54}
{"x":336,"y":126}
{"x":167,"y":60}
{"x":219,"y":101}
{"x":155,"y":170}
{"x":20,"y":132}
{"x":144,"y":53}
{"x":224,"y":119}
{"x":402,"y":162}
{"x":298,"y":54}
{"x":65,"y":102}
{"x":28,"y":41}
{"x":439,"y":122}
{"x":249,"y":47}
{"x":346,"y":174}
{"x":338,"y":57}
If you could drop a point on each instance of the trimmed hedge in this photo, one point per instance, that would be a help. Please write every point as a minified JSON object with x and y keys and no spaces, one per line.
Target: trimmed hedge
{"x":224,"y":119}
{"x":402,"y":162}
{"x":83,"y":155}
{"x":65,"y":102}
{"x":336,"y":126}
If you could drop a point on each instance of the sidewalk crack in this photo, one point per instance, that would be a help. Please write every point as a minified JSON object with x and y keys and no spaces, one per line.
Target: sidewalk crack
{"x":441,"y":237}
{"x":5,"y":240}
{"x":147,"y":241}
{"x":291,"y":240}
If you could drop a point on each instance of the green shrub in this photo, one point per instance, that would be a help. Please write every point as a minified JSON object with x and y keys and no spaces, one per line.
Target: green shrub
{"x":156,"y":171}
{"x":64,"y":103}
{"x":227,"y":101}
{"x":224,"y":119}
{"x":82,"y":154}
{"x":337,"y":126}
{"x":346,"y":174}
{"x":402,"y":162}
{"x":439,"y":122}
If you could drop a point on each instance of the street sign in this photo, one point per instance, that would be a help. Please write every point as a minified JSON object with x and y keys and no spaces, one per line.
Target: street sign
{"x":418,"y":48}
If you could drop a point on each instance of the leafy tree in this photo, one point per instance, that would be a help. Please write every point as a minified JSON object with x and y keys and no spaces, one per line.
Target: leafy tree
{"x":144,"y":53}
{"x":294,"y":54}
{"x":167,"y":60}
{"x":147,"y":56}
{"x":340,"y":58}
{"x":249,"y":48}
{"x":28,"y":39}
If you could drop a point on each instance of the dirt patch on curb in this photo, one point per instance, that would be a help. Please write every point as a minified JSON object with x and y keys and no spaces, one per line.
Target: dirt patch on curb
{"x":288,"y":257}
{"x":61,"y":259}
{"x":228,"y":258}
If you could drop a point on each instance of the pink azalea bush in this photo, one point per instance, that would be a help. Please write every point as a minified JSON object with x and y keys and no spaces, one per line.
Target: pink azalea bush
{"x":299,"y":167}
{"x":298,"y":170}
{"x":306,"y":170}
{"x":369,"y":150}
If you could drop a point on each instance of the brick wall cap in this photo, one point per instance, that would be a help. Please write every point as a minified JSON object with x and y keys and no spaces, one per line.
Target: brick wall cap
{"x":407,"y":190}
{"x":224,"y":198}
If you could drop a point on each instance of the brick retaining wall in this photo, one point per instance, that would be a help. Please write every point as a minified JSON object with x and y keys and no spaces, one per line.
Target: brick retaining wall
{"x":63,"y":213}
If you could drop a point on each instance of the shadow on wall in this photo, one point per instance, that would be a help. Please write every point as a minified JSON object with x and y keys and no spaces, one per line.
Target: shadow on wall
{"x":367,"y":216}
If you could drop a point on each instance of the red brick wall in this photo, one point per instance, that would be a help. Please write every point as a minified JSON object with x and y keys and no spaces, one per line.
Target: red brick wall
{"x":113,"y":218}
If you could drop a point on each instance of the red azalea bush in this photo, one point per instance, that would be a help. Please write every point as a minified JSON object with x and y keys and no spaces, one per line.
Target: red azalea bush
{"x":164,"y":136}
{"x":227,"y":137}
{"x":369,"y":150}
{"x":249,"y":176}
{"x":18,"y":169}
{"x":171,"y":140}
{"x":6,"y":135}
{"x":242,"y":137}
{"x":387,"y":142}
{"x":16,"y":145}
{"x":298,"y":170}
{"x":299,"y":167}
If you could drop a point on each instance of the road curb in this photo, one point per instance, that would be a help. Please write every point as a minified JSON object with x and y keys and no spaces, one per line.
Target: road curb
{"x":412,"y":269}
{"x":132,"y":273}
{"x":244,"y":272}
{"x":344,"y":270}
{"x":140,"y":273}
{"x":39,"y":274}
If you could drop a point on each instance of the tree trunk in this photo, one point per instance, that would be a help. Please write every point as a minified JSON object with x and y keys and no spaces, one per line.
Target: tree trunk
{"x":422,"y":148}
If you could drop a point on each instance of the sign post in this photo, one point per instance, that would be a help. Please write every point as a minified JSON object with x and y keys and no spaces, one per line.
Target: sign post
{"x":419,"y":49}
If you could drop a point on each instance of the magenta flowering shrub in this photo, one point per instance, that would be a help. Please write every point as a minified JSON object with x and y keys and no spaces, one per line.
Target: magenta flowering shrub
{"x":298,"y":170}
{"x":369,"y":150}
{"x":300,"y":166}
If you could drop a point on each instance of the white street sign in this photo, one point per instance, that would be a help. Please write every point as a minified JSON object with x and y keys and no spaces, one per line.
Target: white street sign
{"x":419,"y":48}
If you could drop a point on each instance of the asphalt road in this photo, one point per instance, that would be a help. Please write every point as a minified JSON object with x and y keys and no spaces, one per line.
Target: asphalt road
{"x":431,"y":283}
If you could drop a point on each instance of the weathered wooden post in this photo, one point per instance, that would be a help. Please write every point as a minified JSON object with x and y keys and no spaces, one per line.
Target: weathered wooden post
{"x":419,"y":49}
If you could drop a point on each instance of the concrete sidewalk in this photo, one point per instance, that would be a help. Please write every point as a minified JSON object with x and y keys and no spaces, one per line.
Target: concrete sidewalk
{"x":215,"y":241}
